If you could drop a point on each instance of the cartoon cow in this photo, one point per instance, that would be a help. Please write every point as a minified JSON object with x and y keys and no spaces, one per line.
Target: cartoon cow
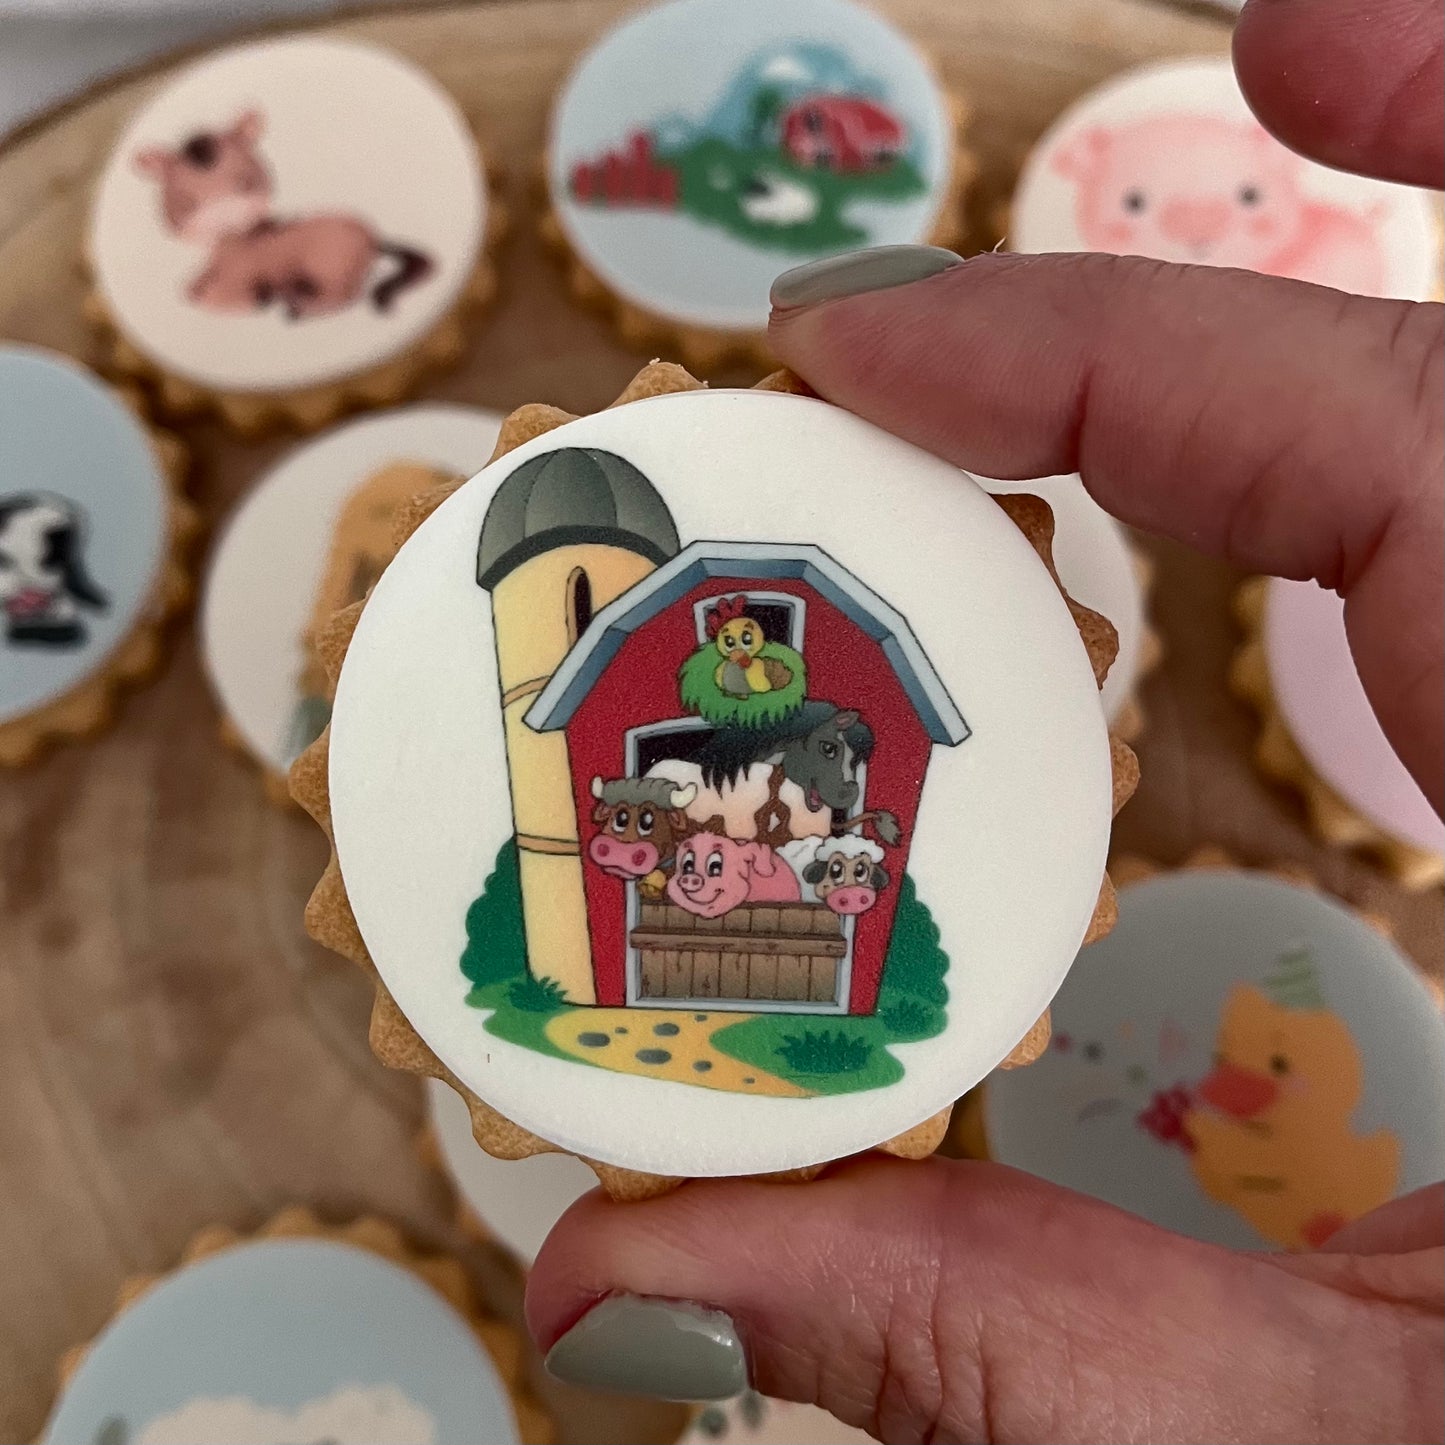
{"x":216,"y":191}
{"x":847,"y":874}
{"x":1210,"y":190}
{"x":715,"y":874}
{"x":640,"y":823}
{"x":43,"y":581}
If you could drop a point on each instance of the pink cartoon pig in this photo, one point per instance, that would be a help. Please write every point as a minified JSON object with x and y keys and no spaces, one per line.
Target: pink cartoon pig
{"x":716,"y":874}
{"x":1222,"y":192}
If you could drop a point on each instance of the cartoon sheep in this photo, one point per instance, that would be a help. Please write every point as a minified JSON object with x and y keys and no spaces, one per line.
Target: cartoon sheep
{"x":846,"y":873}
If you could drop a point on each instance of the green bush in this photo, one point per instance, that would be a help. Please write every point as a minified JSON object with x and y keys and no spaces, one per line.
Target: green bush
{"x":536,"y":995}
{"x":908,"y":1019}
{"x":825,"y":1052}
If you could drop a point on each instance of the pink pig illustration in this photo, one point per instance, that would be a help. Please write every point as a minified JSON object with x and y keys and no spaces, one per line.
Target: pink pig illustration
{"x":1221,"y":192}
{"x":715,"y":874}
{"x":216,"y":192}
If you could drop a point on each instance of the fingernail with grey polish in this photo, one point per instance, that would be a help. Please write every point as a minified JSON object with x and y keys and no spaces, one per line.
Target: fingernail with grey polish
{"x":668,"y":1349}
{"x":855,"y":272}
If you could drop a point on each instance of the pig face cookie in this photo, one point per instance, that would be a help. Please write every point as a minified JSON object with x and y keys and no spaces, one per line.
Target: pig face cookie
{"x":1167,"y":161}
{"x":771,"y":135}
{"x":648,"y":773}
{"x":1242,"y":1060}
{"x":307,"y":540}
{"x":287,"y":217}
{"x":299,"y":1334}
{"x":88,"y":527}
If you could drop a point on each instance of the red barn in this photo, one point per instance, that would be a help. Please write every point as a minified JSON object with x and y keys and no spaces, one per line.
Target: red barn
{"x":842,"y":133}
{"x":616,"y":695}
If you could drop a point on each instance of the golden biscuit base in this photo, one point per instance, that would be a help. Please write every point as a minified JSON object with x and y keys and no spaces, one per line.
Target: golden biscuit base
{"x":702,"y":349}
{"x":329,"y":916}
{"x":502,"y":1342}
{"x":1279,"y":758}
{"x":88,"y":707}
{"x":254,"y":414}
{"x":968,"y":1135}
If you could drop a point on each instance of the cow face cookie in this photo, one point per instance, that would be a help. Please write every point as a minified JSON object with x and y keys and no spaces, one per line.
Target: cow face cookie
{"x":309,"y":539}
{"x":287,"y":215}
{"x":301,"y":1334}
{"x":667,"y":782}
{"x":771,"y":135}
{"x":1242,"y":1060}
{"x":1168,"y":161}
{"x":87,"y":527}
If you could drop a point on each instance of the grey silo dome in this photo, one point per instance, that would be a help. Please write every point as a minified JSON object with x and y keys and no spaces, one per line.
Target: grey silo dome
{"x":569,"y":497}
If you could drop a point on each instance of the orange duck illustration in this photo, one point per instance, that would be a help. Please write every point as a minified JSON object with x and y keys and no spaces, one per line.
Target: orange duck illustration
{"x":1270,"y":1124}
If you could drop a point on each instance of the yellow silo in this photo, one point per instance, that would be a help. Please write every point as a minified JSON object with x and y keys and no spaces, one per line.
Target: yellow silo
{"x":567,"y":533}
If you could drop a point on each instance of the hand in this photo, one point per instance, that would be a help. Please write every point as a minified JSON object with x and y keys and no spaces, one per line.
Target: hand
{"x":1291,"y":430}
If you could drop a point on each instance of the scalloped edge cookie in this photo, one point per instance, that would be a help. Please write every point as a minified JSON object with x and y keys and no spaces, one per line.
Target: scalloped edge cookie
{"x":330,"y":920}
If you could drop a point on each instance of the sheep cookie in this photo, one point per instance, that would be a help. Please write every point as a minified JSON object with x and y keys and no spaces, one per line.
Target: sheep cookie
{"x":702,"y":811}
{"x":771,"y":135}
{"x":307,"y":540}
{"x":1242,"y":1060}
{"x":1168,"y":161}
{"x":754,"y":1419}
{"x":287,"y":1339}
{"x":86,"y":535}
{"x":287,"y":217}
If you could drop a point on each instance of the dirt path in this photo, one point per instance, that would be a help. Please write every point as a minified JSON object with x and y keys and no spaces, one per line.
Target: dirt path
{"x":664,"y":1044}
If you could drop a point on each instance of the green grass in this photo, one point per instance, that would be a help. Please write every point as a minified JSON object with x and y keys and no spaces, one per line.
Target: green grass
{"x":699,"y":693}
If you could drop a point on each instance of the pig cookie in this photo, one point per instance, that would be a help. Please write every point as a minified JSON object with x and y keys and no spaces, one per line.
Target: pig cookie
{"x":290,"y":229}
{"x":1167,"y":161}
{"x":586,"y":496}
{"x":93,"y":535}
{"x":300,"y":1331}
{"x":773,"y":135}
{"x":1319,"y":736}
{"x":307,"y":540}
{"x":1100,"y":566}
{"x":1281,"y":1078}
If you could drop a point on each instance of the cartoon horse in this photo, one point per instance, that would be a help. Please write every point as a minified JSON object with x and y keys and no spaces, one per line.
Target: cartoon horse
{"x":216,"y":191}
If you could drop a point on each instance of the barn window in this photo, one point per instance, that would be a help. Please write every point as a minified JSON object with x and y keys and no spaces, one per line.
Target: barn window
{"x":779,"y":614}
{"x":579,"y":604}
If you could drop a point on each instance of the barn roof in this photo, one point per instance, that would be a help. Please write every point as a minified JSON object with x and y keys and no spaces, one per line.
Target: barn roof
{"x":752,"y":562}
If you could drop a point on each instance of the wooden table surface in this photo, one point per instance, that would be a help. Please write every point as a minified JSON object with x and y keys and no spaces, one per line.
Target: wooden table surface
{"x":173,"y":1050}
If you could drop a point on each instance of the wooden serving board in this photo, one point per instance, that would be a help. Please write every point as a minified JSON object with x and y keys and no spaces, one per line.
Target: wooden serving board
{"x":173,"y":1050}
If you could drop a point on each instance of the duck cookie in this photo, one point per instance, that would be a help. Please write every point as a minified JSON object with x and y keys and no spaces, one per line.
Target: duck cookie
{"x":300,"y":1333}
{"x":288,"y":229}
{"x":1100,"y":567}
{"x":92,"y":530}
{"x":1319,"y":734}
{"x":1242,"y":1060}
{"x":309,"y":539}
{"x":1168,"y":161}
{"x":703,"y":146}
{"x":668,"y":783}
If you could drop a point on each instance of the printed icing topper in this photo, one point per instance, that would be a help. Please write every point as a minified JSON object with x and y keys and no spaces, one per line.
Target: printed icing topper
{"x":1241,"y":1060}
{"x":705,"y":145}
{"x":286,"y":1340}
{"x":1168,"y":161}
{"x":307,"y":540}
{"x":287,"y":214}
{"x":83,"y":527}
{"x":668,"y":784}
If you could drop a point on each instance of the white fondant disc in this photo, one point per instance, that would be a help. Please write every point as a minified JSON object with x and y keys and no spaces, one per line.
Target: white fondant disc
{"x":753,"y":1419}
{"x":891,"y":641}
{"x":1168,"y":161}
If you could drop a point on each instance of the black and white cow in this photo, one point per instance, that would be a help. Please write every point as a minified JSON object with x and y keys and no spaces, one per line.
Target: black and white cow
{"x":43,"y":580}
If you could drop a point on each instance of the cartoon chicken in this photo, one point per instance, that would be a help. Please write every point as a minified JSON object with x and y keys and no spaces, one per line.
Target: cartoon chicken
{"x":1270,"y":1126}
{"x":739,"y":677}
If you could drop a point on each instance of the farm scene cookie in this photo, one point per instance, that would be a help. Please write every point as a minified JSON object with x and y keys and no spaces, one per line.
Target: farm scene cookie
{"x":308,"y":539}
{"x":262,"y":240}
{"x":1168,"y":161}
{"x":300,"y":1333}
{"x":90,"y":527}
{"x":774,"y":135}
{"x":729,"y":888}
{"x":1242,"y":1059}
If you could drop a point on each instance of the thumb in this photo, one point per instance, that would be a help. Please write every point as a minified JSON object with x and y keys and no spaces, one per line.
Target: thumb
{"x":947,"y":1300}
